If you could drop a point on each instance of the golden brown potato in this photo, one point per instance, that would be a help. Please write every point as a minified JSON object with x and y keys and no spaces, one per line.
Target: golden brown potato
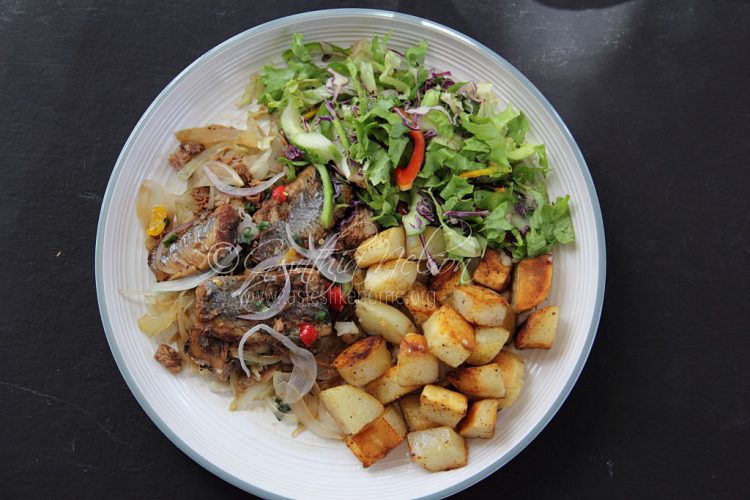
{"x":494,"y":270}
{"x":363,"y":361}
{"x":437,"y":449}
{"x":391,"y":280}
{"x":447,"y":279}
{"x":489,"y":341}
{"x":378,"y":437}
{"x":539,"y":329}
{"x":416,"y":365}
{"x":482,"y":306}
{"x":442,"y":405}
{"x":415,"y":420}
{"x":378,"y":318}
{"x":479,"y":382}
{"x":420,"y":302}
{"x":532,"y":281}
{"x":435,"y":241}
{"x":449,"y":337}
{"x":514,"y":373}
{"x":480,"y":420}
{"x":386,"y":387}
{"x":350,"y":407}
{"x":384,"y":246}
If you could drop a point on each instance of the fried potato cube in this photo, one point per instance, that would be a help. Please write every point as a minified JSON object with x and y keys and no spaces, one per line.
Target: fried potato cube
{"x":489,"y":341}
{"x":447,"y":279}
{"x":494,"y":270}
{"x":480,"y":420}
{"x":532,"y":281}
{"x":416,"y":364}
{"x":513,"y":370}
{"x":378,"y":437}
{"x":482,"y":306}
{"x":479,"y":382}
{"x":384,"y":246}
{"x":420,"y":302}
{"x":391,"y":280}
{"x":449,"y":336}
{"x":437,"y":449}
{"x":442,"y":405}
{"x":415,"y":420}
{"x":363,"y":361}
{"x":378,"y":318}
{"x":435,"y":241}
{"x":350,"y":407}
{"x":386,"y":387}
{"x":539,"y":329}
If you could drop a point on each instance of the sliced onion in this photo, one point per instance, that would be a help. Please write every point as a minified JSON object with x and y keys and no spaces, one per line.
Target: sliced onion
{"x":278,"y":305}
{"x":322,"y":257}
{"x":236,"y":180}
{"x":327,"y":430}
{"x":236,"y":191}
{"x":193,"y":281}
{"x":331,"y":269}
{"x":303,"y":374}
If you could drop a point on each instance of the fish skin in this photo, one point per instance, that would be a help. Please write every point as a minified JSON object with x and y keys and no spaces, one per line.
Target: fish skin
{"x":301,"y":211}
{"x":208,"y":240}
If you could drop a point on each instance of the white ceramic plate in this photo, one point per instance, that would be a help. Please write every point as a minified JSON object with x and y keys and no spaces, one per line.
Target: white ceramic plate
{"x":251,"y":449}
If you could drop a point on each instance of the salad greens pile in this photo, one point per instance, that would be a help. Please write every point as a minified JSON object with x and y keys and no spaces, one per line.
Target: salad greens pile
{"x":367,"y":111}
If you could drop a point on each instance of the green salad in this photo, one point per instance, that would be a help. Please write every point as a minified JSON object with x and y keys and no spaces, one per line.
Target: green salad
{"x":421,"y":148}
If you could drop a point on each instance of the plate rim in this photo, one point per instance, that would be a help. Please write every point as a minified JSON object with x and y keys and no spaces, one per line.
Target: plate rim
{"x":581,"y":163}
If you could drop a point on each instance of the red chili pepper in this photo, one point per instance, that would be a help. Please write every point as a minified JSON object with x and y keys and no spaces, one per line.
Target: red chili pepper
{"x":308,"y":334}
{"x":336,"y":298}
{"x":405,"y":175}
{"x":279,"y":194}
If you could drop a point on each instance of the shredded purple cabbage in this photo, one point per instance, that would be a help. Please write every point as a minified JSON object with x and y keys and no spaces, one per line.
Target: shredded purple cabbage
{"x":405,"y":119}
{"x":330,"y":108}
{"x":431,"y":264}
{"x":425,"y":209}
{"x":429,"y":134}
{"x":292,"y":153}
{"x":458,"y":213}
{"x":319,"y":119}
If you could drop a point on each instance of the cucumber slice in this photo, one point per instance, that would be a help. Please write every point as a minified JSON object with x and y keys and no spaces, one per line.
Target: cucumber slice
{"x":318,"y":148}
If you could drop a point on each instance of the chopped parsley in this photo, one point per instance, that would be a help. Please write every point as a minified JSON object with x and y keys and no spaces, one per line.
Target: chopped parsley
{"x":169,"y":240}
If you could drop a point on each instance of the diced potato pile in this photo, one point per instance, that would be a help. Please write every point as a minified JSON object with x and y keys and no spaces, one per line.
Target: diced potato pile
{"x":433,"y":369}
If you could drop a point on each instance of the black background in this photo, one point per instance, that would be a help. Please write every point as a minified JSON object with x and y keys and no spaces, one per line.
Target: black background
{"x":655,"y":93}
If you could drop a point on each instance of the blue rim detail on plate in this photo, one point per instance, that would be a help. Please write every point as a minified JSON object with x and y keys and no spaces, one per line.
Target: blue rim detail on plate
{"x":236,"y":481}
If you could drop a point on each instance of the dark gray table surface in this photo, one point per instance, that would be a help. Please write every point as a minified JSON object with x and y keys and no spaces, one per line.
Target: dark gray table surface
{"x":655,"y":93}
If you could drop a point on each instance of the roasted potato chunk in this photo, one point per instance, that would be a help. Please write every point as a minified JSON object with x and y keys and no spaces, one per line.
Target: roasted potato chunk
{"x":386,"y":387}
{"x":480,"y":420}
{"x":363,"y":361}
{"x":350,"y":407}
{"x":378,"y":318}
{"x":378,"y":437}
{"x":415,"y":420}
{"x":449,"y":336}
{"x":435,"y":241}
{"x":358,"y":282}
{"x":391,"y":280}
{"x":442,"y":405}
{"x":384,"y":246}
{"x":416,"y":364}
{"x":514,"y":372}
{"x":447,"y":279}
{"x":532,"y":281}
{"x":437,"y":449}
{"x":479,"y":382}
{"x":494,"y":270}
{"x":489,"y":341}
{"x":482,"y":306}
{"x":539,"y":329}
{"x":420,"y":302}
